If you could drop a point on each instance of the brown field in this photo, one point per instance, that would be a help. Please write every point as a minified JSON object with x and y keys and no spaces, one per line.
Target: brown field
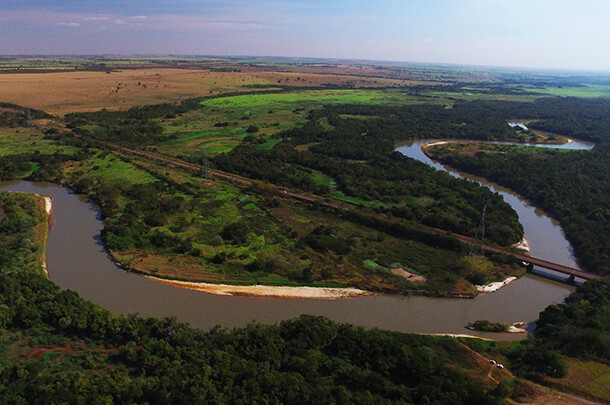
{"x":63,"y":92}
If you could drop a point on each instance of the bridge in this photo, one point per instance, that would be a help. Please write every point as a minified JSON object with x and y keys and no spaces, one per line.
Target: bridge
{"x":570,"y":271}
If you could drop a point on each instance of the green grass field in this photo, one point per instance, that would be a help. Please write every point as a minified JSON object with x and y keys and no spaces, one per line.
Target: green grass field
{"x":28,"y":140}
{"x":110,"y":168}
{"x":310,"y":99}
{"x":223,"y":122}
{"x":587,"y":91}
{"x":588,"y":378}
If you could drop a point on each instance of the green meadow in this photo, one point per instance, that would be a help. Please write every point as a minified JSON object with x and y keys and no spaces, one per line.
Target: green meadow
{"x":309,"y":99}
{"x":224,"y":122}
{"x":586,"y":91}
{"x":28,"y":140}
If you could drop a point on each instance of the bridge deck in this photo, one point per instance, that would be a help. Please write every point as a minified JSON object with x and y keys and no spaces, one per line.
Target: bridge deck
{"x":550,"y":265}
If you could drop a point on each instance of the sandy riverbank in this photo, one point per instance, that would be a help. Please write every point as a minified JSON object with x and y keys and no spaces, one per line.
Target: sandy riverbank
{"x":48,"y":206}
{"x":427,"y":145}
{"x":523,"y":245}
{"x":268,"y":291}
{"x":492,"y":287}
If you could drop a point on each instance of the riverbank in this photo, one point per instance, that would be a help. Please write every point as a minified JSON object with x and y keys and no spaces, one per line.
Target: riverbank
{"x":493,"y":287}
{"x":268,"y":291}
{"x":41,"y":230}
{"x":523,"y":245}
{"x":41,"y":238}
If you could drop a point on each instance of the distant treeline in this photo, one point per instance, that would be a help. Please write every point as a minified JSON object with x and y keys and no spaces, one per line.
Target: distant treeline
{"x":137,"y":126}
{"x":36,"y":166}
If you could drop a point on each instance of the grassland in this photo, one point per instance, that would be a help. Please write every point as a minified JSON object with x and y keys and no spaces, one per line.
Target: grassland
{"x":585,"y":91}
{"x":590,"y":379}
{"x":26,"y":140}
{"x":522,"y":93}
{"x":223,"y":122}
{"x":74,"y":91}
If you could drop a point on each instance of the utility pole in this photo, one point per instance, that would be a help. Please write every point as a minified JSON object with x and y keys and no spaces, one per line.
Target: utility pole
{"x":476,"y":249}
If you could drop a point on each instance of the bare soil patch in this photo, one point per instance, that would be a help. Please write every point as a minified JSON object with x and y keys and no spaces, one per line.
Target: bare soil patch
{"x":416,"y":278}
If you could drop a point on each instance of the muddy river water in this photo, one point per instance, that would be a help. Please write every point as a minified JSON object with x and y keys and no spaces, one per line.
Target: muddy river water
{"x":77,"y":260}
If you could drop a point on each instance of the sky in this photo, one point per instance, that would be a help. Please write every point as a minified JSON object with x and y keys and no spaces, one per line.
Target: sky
{"x":560,"y":34}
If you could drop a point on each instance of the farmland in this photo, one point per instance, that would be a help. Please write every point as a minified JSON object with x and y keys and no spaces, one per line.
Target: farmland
{"x":70,"y":91}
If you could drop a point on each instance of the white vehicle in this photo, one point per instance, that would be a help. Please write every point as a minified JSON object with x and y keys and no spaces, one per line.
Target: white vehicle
{"x":500,"y":366}
{"x":492,"y":362}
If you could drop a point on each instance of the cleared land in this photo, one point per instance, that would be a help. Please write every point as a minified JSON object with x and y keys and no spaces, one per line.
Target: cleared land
{"x":64,"y":92}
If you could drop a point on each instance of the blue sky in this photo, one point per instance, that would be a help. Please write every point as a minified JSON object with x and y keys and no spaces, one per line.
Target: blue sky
{"x":534,"y":33}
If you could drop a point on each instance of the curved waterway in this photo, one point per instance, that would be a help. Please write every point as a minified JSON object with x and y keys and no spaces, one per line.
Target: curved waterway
{"x":77,"y":260}
{"x":544,"y":234}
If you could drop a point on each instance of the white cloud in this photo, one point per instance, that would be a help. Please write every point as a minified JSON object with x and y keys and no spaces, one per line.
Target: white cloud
{"x":96,"y":18}
{"x":425,"y":41}
{"x":138,"y":17}
{"x":120,"y":21}
{"x":69,"y":24}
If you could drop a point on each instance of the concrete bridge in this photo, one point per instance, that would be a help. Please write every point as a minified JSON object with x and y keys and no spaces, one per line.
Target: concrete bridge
{"x":533,"y":261}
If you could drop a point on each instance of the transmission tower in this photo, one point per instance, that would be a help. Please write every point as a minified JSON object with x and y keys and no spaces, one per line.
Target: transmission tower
{"x":205,"y":166}
{"x":476,"y":249}
{"x":28,"y":117}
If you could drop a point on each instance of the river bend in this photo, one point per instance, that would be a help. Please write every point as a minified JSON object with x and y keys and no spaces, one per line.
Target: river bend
{"x":77,"y":260}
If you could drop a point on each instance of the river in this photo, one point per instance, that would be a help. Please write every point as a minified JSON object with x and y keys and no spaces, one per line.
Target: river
{"x":545,"y":236}
{"x":77,"y":260}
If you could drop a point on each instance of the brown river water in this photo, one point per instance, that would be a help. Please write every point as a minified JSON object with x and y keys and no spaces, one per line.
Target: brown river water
{"x":77,"y":260}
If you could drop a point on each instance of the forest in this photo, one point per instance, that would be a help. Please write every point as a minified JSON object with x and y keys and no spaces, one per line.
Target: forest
{"x":358,"y":154}
{"x":349,"y":150}
{"x":572,"y":186}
